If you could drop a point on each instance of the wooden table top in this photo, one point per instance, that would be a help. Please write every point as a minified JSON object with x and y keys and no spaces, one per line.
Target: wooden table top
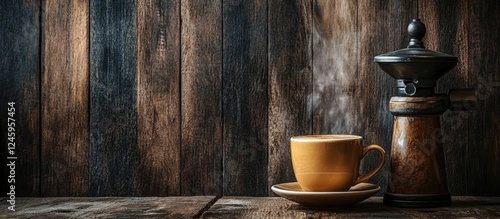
{"x":233,"y":207}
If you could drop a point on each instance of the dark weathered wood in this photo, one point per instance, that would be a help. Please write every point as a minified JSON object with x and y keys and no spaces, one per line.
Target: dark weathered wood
{"x":20,"y":83}
{"x":158,"y":98}
{"x":201,"y":70}
{"x":237,"y":207}
{"x":244,"y":95}
{"x":113,"y":112}
{"x":447,"y":32}
{"x":335,"y":107}
{"x":483,"y":152}
{"x":198,"y":112}
{"x":290,"y":82}
{"x":253,"y":207}
{"x":344,"y":79}
{"x":109,"y":207}
{"x":65,"y":106}
{"x":381,"y":28}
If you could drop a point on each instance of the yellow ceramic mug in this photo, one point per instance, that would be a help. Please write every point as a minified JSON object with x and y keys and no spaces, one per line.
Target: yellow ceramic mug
{"x":324,"y":163}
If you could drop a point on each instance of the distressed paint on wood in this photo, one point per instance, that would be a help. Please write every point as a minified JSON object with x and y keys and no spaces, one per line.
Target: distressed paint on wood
{"x":158,"y":98}
{"x":113,"y":89}
{"x":244,"y":92}
{"x":20,"y":83}
{"x":65,"y":74}
{"x":201,"y":100}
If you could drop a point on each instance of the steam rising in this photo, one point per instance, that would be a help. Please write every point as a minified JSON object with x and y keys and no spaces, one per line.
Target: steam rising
{"x":334,"y":69}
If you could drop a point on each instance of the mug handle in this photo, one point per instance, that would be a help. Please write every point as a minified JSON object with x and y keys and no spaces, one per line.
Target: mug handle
{"x":380,"y":165}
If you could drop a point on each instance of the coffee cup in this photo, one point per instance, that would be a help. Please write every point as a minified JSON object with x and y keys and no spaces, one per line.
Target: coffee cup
{"x":326,"y":163}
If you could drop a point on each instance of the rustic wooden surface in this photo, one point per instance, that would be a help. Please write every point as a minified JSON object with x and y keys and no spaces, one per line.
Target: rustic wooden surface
{"x":201,"y":86}
{"x":200,"y":98}
{"x":65,"y":81}
{"x":20,"y":83}
{"x":245,"y":97}
{"x":290,"y":82}
{"x":158,"y":98}
{"x":109,"y":207}
{"x":113,"y":156}
{"x":257,"y":207}
{"x":236,"y":207}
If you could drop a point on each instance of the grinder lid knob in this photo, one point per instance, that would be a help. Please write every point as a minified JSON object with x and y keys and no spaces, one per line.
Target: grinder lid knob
{"x":416,"y":31}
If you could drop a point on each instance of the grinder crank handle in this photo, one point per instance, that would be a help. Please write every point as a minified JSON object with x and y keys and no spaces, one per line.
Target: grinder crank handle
{"x":462,"y":100}
{"x":380,"y":165}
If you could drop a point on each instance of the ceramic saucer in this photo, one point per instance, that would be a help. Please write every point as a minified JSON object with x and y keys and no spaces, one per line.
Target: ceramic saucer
{"x":356,"y":193}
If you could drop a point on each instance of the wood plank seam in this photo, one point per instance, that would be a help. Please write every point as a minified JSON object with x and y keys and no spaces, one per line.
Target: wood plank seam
{"x":207,"y":207}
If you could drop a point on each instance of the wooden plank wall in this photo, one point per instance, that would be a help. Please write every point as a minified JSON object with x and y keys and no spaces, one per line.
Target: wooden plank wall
{"x":201,"y":99}
{"x":245,"y":97}
{"x":483,"y":151}
{"x":20,"y":83}
{"x":290,"y":82}
{"x":64,"y":98}
{"x":186,"y":97}
{"x":158,"y":97}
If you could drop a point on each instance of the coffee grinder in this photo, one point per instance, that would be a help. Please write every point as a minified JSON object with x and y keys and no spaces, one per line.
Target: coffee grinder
{"x":417,"y":175}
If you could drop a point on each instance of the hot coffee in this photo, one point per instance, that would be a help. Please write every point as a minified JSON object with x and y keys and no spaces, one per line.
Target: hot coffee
{"x":323,"y":163}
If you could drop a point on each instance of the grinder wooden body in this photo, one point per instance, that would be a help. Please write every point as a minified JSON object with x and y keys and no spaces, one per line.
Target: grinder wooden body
{"x":417,"y":175}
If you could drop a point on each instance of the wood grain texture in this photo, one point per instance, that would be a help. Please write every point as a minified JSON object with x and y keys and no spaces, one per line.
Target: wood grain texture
{"x":335,"y":107}
{"x":201,"y":97}
{"x":259,"y":207}
{"x":483,"y":153}
{"x":158,"y":98}
{"x":113,"y":112}
{"x":238,"y":207}
{"x":252,"y":207}
{"x":244,"y":92}
{"x":447,"y":32}
{"x":20,"y":83}
{"x":201,"y":70}
{"x":109,"y":207}
{"x":345,"y":83}
{"x":65,"y":106}
{"x":381,"y":28}
{"x":417,"y":162}
{"x":290,"y":82}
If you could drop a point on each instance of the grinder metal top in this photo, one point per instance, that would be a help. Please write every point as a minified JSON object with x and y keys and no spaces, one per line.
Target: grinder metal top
{"x":415,"y":62}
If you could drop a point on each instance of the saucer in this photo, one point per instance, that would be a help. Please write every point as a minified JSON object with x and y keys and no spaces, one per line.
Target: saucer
{"x":293,"y":192}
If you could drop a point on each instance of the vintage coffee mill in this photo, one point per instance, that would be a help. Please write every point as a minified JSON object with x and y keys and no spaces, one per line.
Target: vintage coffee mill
{"x":417,"y":175}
